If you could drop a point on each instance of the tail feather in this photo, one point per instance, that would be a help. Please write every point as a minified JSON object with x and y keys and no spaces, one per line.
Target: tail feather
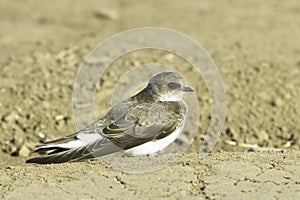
{"x":60,"y":157}
{"x":73,"y":141}
{"x":97,"y":148}
{"x":62,"y":140}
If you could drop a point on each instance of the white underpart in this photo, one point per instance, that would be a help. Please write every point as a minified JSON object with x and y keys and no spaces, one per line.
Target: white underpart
{"x":156,"y":145}
{"x":171,"y":97}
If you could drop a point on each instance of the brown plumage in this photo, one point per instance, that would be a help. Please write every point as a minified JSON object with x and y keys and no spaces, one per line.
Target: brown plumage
{"x":153,"y":115}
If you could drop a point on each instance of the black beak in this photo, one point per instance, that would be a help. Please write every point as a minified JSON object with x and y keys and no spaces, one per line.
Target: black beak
{"x":187,"y":89}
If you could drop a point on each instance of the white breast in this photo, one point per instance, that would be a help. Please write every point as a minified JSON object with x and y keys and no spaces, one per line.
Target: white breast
{"x":171,"y":97}
{"x":156,"y":145}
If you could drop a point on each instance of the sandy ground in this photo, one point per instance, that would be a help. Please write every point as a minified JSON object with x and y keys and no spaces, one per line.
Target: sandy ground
{"x":219,"y":176}
{"x":255,"y":45}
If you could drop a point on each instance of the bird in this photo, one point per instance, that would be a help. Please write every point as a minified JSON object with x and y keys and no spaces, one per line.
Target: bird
{"x":143,"y":124}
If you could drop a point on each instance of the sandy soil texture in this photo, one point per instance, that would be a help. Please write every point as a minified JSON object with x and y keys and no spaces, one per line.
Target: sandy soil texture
{"x":219,"y":176}
{"x":255,"y":45}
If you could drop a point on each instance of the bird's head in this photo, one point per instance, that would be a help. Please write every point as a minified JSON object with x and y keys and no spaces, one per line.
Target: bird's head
{"x":169,"y":86}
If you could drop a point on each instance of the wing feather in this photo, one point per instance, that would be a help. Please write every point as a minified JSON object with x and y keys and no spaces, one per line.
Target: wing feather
{"x":135,"y":125}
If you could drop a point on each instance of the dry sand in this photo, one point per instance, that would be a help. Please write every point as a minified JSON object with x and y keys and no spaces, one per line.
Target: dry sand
{"x":255,"y":45}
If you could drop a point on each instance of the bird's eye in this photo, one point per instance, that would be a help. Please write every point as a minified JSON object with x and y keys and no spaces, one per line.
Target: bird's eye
{"x":173,"y":85}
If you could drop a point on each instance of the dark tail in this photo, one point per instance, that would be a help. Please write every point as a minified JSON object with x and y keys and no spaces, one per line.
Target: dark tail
{"x":96,"y":149}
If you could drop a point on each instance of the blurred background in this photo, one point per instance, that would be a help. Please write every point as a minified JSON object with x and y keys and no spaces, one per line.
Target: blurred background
{"x":255,"y":45}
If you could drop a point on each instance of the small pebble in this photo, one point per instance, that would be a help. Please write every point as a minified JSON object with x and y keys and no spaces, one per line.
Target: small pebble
{"x":277,"y":102}
{"x":287,"y":144}
{"x":106,"y":14}
{"x":9,"y":117}
{"x":41,"y":135}
{"x":59,"y":117}
{"x":24,"y":151}
{"x":9,"y":167}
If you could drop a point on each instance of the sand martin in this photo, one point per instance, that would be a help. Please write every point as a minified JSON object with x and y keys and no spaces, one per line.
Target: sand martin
{"x":143,"y":124}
